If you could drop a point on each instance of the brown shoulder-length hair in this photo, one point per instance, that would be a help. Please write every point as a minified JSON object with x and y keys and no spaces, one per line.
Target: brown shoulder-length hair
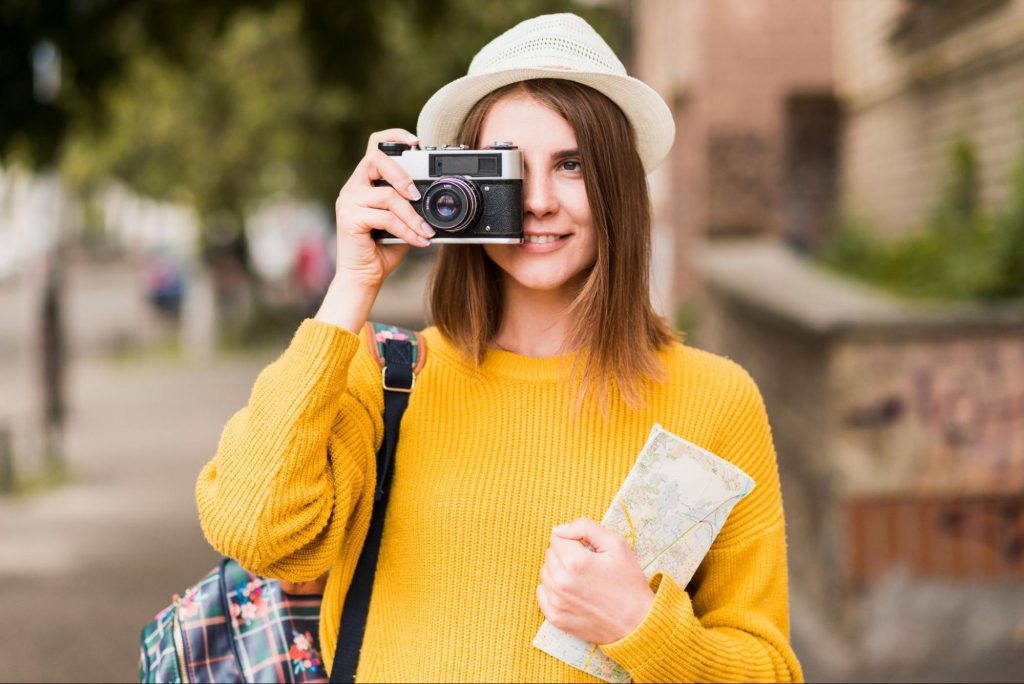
{"x":611,"y":316}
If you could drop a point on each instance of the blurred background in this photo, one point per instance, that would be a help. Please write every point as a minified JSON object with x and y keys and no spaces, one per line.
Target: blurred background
{"x":842,"y":213}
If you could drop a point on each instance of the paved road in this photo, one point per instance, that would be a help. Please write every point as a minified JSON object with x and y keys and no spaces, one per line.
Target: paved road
{"x":85,"y":565}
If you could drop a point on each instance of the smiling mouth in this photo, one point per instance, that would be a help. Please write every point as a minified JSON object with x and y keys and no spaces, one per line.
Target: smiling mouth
{"x":544,"y":239}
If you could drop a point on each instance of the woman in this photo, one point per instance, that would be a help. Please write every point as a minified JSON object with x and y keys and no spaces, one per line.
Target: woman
{"x":547,"y":368}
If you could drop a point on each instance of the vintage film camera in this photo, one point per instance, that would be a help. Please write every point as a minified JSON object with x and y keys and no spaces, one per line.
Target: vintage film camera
{"x":468,"y":196}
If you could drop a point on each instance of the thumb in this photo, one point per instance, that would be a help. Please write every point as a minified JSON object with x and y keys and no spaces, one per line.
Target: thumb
{"x":586,"y":530}
{"x":393,"y":256}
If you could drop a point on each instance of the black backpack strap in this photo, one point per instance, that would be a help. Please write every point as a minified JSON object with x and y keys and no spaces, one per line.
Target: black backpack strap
{"x":400,"y":353}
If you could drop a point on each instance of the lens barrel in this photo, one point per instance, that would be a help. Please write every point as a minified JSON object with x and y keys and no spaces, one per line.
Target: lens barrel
{"x":452,"y":204}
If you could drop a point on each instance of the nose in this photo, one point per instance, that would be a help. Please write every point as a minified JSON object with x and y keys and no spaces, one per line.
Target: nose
{"x":539,"y":197}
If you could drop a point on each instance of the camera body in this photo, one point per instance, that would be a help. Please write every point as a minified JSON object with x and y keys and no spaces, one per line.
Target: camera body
{"x":467,"y":196}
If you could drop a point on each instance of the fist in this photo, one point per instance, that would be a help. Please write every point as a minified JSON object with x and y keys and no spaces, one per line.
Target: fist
{"x":591,"y":585}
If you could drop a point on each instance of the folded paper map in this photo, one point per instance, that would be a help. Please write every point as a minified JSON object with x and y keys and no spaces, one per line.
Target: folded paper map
{"x":671,"y":507}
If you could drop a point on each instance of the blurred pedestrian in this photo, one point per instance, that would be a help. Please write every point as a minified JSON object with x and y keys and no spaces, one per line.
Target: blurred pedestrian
{"x":164,"y":278}
{"x":312,"y":270}
{"x":546,"y":369}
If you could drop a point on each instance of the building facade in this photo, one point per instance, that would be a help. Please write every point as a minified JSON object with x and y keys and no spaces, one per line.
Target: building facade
{"x":750,"y":83}
{"x":913,"y":76}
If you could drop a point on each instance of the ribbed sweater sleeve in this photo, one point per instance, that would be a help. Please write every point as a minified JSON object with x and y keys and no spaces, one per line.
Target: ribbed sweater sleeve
{"x":735,"y":626}
{"x":292,"y":464}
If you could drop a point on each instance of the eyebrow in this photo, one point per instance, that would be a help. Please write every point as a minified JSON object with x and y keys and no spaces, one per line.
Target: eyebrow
{"x":565,"y":153}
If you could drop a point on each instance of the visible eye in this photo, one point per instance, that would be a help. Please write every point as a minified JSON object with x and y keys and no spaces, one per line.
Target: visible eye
{"x":572,"y":165}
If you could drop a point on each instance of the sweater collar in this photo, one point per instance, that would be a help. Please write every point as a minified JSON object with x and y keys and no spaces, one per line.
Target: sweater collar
{"x":498,"y":362}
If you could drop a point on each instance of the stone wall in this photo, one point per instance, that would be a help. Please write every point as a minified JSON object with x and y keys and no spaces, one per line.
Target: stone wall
{"x":899,"y":428}
{"x":934,"y":411}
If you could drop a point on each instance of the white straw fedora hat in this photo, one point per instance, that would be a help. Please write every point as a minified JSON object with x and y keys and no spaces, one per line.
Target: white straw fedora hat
{"x":551,"y":46}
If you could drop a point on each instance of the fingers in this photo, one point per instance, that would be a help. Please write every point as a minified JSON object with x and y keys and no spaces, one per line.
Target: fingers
{"x":369,"y":218}
{"x":390,"y":135}
{"x":387,"y":198}
{"x":589,"y":532}
{"x":544,"y":602}
{"x":362,"y":204}
{"x":568,"y":556}
{"x":393,"y":255}
{"x":555,"y":576}
{"x":553,"y":562}
{"x":352,"y":202}
{"x":552,"y":605}
{"x":378,"y":166}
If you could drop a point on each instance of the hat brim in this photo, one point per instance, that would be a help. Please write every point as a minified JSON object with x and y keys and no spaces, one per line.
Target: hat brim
{"x":442,"y":116}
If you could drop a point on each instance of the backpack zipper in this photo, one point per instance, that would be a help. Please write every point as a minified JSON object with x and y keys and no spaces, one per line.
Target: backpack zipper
{"x":179,"y":645}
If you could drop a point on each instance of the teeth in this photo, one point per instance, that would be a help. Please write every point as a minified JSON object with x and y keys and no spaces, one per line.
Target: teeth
{"x":541,"y":239}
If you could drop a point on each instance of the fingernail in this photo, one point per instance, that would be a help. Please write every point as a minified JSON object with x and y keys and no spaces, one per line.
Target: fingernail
{"x":425,"y":242}
{"x":413,"y":192}
{"x":425,"y":227}
{"x":561,"y":528}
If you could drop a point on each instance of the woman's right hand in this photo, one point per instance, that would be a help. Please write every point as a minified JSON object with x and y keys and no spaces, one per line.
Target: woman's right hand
{"x":361,"y":207}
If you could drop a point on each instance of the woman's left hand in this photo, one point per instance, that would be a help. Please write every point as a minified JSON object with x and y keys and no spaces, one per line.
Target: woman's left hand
{"x":591,"y":583}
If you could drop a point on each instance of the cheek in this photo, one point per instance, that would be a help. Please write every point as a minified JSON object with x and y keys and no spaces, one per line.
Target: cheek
{"x":586,"y":249}
{"x":583,"y":220}
{"x":576,"y":202}
{"x":499,"y":254}
{"x":590,"y":247}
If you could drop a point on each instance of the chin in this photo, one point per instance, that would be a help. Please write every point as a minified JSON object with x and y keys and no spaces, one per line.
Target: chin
{"x":540,"y":284}
{"x":545,"y":281}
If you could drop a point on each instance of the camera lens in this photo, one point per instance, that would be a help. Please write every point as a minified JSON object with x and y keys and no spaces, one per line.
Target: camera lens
{"x":446,"y":205}
{"x":452,"y":204}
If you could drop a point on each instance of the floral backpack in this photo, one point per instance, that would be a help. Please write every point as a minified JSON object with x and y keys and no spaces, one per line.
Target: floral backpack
{"x":234,"y":626}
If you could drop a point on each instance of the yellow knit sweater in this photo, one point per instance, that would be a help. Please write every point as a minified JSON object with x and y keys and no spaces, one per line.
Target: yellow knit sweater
{"x":490,"y":459}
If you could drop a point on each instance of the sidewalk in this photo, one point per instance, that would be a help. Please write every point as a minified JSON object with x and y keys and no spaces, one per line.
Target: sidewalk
{"x":85,"y":565}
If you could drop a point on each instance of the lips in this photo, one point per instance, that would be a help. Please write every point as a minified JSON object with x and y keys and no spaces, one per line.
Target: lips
{"x":541,"y":238}
{"x":539,"y":243}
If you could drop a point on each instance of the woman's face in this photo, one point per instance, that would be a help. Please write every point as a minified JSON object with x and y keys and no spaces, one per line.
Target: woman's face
{"x":561,"y":244}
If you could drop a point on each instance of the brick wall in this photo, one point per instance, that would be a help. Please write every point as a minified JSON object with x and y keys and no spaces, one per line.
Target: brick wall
{"x":906,"y":100}
{"x":727,"y":68}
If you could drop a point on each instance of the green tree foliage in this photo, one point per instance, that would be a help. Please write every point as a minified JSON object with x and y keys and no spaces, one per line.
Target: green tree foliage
{"x":96,"y":39}
{"x":961,"y":252}
{"x":247,"y":123}
{"x":1008,"y":239}
{"x":226,"y":102}
{"x":958,"y":211}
